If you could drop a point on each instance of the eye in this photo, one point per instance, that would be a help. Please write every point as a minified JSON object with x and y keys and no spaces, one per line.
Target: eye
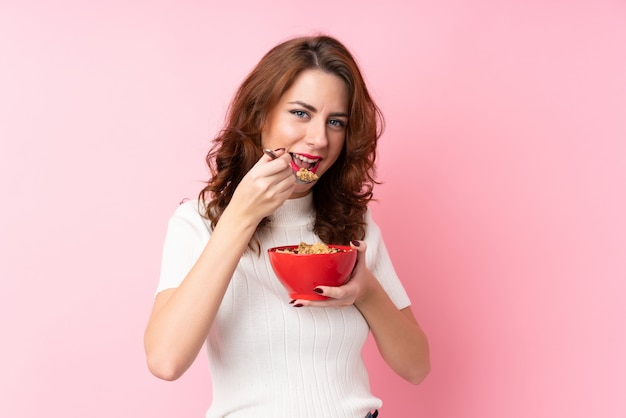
{"x":299,"y":113}
{"x":338,"y":123}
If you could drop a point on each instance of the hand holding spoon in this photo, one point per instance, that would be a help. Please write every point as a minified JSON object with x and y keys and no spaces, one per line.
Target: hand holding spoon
{"x":298,"y":179}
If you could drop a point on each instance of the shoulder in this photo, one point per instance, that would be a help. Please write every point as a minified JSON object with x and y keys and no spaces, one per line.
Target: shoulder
{"x":189,"y":208}
{"x":372,"y":228}
{"x":373,"y":237}
{"x":189,"y":214}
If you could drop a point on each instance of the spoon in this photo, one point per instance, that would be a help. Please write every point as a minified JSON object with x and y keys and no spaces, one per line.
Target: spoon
{"x":275,"y":156}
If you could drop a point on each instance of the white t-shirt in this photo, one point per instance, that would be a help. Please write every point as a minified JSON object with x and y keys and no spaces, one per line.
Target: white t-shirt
{"x":266,"y":357}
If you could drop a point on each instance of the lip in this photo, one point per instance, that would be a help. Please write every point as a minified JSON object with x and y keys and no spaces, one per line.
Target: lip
{"x":316,"y":158}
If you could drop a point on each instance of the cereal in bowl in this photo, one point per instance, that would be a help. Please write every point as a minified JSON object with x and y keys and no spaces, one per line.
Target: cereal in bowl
{"x":317,"y":248}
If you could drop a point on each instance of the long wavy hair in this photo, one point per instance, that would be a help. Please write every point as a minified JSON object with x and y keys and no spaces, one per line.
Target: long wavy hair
{"x":341,"y":195}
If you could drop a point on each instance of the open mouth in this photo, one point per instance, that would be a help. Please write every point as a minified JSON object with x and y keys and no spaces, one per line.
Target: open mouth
{"x":307,"y":162}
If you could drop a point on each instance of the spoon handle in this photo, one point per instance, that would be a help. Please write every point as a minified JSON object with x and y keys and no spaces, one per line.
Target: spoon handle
{"x":270,"y":153}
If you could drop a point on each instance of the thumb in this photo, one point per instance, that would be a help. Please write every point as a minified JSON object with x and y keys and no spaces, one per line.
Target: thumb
{"x":360,"y":247}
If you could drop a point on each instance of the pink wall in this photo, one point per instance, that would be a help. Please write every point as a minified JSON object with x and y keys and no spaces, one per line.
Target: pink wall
{"x":504,"y":164}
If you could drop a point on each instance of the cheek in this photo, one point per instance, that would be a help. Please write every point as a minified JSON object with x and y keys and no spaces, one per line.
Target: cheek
{"x":332,"y":157}
{"x":281,"y":134}
{"x":289,"y":131}
{"x":337,"y":144}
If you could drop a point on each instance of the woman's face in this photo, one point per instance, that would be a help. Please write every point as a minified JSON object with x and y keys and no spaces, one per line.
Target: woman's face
{"x":310,"y":122}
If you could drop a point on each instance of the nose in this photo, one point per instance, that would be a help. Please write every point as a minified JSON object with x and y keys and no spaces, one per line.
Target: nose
{"x":317,"y":137}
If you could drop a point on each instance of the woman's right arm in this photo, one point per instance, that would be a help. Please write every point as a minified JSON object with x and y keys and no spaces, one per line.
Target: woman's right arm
{"x":182,"y":317}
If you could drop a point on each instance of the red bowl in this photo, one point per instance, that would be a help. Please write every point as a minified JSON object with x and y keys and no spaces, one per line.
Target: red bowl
{"x":301,"y":273}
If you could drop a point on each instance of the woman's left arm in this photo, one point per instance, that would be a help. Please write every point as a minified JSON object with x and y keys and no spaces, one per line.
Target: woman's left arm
{"x":400,"y":340}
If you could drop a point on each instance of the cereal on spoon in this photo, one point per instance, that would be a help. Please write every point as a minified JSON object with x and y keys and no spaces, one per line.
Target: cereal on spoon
{"x":306,"y":175}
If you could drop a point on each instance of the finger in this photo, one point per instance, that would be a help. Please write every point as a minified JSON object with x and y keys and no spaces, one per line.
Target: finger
{"x":329,"y":303}
{"x":271,"y":155}
{"x":286,"y":184}
{"x":345,"y":292}
{"x":360,"y":247}
{"x":269,"y":166}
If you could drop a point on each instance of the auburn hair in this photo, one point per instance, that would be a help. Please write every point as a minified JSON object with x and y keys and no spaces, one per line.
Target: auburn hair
{"x":341,"y":195}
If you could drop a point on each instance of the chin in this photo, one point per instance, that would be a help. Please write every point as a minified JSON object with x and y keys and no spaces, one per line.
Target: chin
{"x":301,"y":190}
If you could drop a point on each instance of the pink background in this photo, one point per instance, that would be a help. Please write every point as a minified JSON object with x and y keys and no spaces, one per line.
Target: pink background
{"x":503,"y":205}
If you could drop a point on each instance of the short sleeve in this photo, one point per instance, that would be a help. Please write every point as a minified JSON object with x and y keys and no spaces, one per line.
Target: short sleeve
{"x":186,"y":236}
{"x":379,"y":263}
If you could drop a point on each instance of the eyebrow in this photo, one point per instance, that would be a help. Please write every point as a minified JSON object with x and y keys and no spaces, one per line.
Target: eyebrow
{"x":314,"y":110}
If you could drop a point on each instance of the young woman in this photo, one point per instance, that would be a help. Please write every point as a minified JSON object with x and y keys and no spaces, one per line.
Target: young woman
{"x":271,"y":357}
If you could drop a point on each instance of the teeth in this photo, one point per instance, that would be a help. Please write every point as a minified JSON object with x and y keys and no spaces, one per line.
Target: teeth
{"x":306,"y":160}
